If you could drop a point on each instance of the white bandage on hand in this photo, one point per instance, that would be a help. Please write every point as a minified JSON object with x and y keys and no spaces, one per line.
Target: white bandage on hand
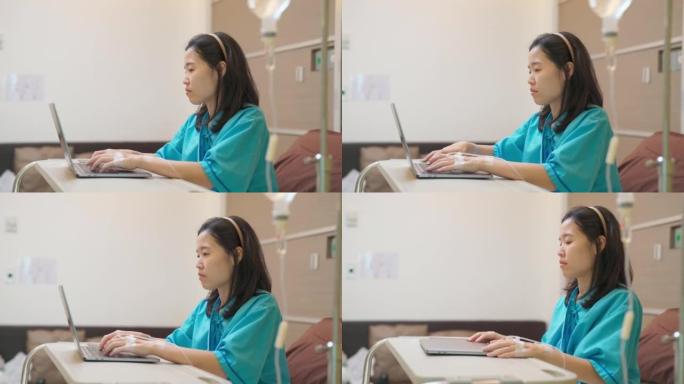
{"x":130,"y":340}
{"x":459,"y":160}
{"x":118,"y":158}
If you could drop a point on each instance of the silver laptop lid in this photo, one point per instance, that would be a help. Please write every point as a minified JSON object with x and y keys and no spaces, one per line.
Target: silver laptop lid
{"x":401,"y":137}
{"x":451,"y":346}
{"x":72,"y":327}
{"x":62,"y":139}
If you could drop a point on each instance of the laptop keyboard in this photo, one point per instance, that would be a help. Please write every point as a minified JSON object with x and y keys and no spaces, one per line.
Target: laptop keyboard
{"x":83,"y":168}
{"x":421,"y":166}
{"x":91,"y":351}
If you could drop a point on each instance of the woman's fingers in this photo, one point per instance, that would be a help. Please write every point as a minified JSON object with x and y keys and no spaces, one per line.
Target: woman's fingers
{"x":438,"y":164}
{"x":483,"y":337}
{"x":474,"y":336}
{"x":108,"y":337}
{"x":113,"y":344}
{"x":100,"y":160}
{"x":506,"y":351}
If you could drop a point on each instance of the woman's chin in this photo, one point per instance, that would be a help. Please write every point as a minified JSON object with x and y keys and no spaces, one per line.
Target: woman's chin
{"x":194,"y":101}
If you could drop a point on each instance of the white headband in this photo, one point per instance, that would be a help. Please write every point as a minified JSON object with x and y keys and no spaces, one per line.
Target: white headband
{"x":237,"y":229}
{"x":603,"y":221}
{"x":567,"y":43}
{"x":223,"y":48}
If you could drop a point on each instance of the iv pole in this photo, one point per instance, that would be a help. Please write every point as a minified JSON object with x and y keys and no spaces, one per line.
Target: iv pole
{"x":323,"y":161}
{"x":664,"y":162}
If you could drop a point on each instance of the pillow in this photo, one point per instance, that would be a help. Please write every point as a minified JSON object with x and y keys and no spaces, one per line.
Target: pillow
{"x":656,"y":360}
{"x":293,"y":172}
{"x":635,"y":176}
{"x":307,"y":366}
{"x":386,"y":366}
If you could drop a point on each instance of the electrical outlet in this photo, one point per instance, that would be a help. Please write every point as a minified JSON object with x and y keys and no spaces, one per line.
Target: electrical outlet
{"x":657,"y":252}
{"x":11,"y":225}
{"x":313,"y":261}
{"x":299,"y":74}
{"x":646,"y":75}
{"x":351,"y":219}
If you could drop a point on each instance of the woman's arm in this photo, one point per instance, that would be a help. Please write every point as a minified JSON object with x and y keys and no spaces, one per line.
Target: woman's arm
{"x":187,"y":170}
{"x":510,"y":348}
{"x":485,"y":149}
{"x":531,"y":173}
{"x":141,"y":344}
{"x":205,"y":360}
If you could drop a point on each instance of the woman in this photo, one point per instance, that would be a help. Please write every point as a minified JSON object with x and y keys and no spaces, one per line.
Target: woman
{"x":561,"y":148}
{"x":584,"y":335}
{"x":232,"y":332}
{"x":223,"y":145}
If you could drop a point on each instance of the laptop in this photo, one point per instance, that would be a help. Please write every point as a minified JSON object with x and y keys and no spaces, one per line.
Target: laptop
{"x":91,"y":351}
{"x":418,"y":166}
{"x":80,"y":168}
{"x":451,"y":346}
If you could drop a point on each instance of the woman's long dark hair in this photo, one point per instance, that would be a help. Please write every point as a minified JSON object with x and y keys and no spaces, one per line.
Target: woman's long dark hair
{"x":236,"y":88}
{"x":581,"y":89}
{"x":249,"y":274}
{"x":609,"y":266}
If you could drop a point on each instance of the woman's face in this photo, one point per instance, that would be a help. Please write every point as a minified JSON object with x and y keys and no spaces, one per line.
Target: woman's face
{"x":214,"y":265}
{"x":576,"y":254}
{"x":200,"y":79}
{"x":546,"y":80}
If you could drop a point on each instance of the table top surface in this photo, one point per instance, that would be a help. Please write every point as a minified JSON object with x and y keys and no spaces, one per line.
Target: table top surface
{"x":77,"y":371}
{"x":401,"y":179}
{"x":423,"y":368}
{"x":61,"y":179}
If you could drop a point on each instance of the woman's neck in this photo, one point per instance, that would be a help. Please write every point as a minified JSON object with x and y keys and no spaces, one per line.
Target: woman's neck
{"x":583,"y":285}
{"x":211,"y":108}
{"x":224,"y":293}
{"x":555,"y":108}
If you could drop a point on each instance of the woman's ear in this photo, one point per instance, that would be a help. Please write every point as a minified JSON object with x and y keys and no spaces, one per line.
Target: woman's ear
{"x":239,"y":252}
{"x":601,"y":243}
{"x":569,"y":70}
{"x":222,"y":68}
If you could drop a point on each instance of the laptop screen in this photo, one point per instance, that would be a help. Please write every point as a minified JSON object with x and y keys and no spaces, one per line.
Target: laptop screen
{"x":60,"y":134}
{"x":407,"y":152}
{"x":72,"y":327}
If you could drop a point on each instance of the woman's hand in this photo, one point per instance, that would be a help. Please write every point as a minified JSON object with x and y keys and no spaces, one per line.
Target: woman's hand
{"x":108,"y":159}
{"x":137,"y":343}
{"x":461,"y":146}
{"x":458,"y":162}
{"x":512,"y":347}
{"x":485,"y":337}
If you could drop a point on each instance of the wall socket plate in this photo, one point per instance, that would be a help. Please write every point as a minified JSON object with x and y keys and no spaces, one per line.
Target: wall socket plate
{"x":11,"y":225}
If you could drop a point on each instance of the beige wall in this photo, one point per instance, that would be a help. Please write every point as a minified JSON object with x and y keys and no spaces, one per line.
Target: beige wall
{"x":309,"y":292}
{"x":298,"y":103}
{"x":657,"y":282}
{"x":639,"y":105}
